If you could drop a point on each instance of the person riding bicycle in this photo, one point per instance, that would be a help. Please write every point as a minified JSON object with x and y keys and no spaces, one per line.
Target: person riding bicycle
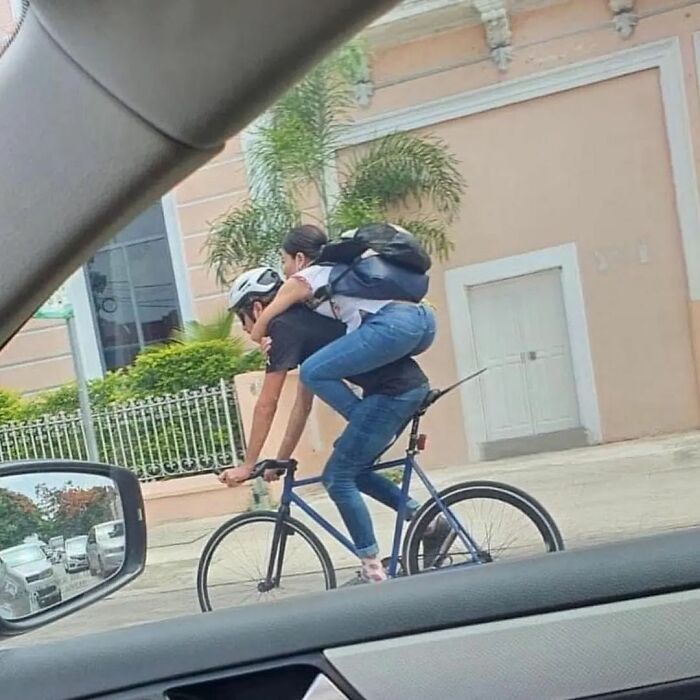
{"x":378,"y":331}
{"x":391,"y":395}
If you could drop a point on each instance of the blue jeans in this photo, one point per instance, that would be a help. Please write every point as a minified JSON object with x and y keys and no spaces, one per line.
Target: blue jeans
{"x":396,"y":331}
{"x":373,"y":423}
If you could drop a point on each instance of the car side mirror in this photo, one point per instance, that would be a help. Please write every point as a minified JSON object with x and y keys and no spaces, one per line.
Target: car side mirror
{"x":47,"y":568}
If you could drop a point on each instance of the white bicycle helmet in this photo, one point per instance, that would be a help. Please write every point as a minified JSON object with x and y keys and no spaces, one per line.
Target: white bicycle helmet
{"x":258,"y":282}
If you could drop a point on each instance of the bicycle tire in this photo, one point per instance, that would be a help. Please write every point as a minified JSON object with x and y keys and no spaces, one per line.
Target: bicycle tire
{"x":528,"y":506}
{"x":240,"y":521}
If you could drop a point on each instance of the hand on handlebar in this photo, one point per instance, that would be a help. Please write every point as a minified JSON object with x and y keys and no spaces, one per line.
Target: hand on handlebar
{"x":236,"y":476}
{"x":271,"y":475}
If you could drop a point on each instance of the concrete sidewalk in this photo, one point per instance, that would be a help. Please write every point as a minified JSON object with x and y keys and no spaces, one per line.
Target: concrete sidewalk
{"x":594,"y":494}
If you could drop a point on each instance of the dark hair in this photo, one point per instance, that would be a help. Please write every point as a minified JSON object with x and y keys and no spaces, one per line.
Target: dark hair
{"x":307,"y":239}
{"x":246,"y":308}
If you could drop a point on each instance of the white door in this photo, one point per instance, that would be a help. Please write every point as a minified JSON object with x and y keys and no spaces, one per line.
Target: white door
{"x":520,"y":334}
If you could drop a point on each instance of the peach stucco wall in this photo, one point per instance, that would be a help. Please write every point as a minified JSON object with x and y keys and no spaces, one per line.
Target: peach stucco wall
{"x":201,"y":198}
{"x":191,"y":497}
{"x":589,"y":166}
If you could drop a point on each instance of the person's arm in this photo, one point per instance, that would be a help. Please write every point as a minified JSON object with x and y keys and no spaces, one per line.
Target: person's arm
{"x":297,"y":421}
{"x":293,"y":291}
{"x":263,"y":415}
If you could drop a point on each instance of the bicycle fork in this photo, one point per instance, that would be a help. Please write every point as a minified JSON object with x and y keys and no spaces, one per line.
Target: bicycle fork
{"x":279,"y":544}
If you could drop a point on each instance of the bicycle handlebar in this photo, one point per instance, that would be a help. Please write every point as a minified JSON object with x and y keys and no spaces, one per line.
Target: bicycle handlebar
{"x":280,"y":466}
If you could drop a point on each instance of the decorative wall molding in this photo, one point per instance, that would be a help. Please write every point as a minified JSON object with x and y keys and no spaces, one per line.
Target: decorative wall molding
{"x":664,"y":55}
{"x":89,"y":347}
{"x":364,"y":86}
{"x":176,"y":244}
{"x":494,"y":17}
{"x":624,"y":17}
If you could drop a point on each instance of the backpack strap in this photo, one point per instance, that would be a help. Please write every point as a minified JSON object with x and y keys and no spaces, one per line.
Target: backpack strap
{"x":325,"y":293}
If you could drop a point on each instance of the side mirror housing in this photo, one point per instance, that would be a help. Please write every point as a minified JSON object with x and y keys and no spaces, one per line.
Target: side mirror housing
{"x":61,"y":501}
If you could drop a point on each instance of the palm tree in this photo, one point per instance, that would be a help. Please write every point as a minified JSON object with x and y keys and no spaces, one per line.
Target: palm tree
{"x":295,"y":148}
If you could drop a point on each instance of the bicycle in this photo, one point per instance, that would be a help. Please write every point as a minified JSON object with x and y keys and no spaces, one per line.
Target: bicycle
{"x":277,"y":536}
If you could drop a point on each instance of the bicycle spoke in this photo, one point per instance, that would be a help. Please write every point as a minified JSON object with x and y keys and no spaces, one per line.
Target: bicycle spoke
{"x":237,"y":570}
{"x":497,"y":519}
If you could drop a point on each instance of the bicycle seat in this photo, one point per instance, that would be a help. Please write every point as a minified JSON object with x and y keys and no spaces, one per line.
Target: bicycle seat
{"x":432,"y":396}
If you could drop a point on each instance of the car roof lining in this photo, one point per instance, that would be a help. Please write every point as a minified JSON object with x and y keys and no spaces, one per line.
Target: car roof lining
{"x":107,"y":106}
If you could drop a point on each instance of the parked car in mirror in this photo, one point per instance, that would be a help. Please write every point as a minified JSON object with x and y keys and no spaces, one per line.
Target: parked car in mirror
{"x":31,"y":563}
{"x":58,"y":549}
{"x":75,"y":557}
{"x":67,"y":503}
{"x":105,"y":548}
{"x":16,"y":599}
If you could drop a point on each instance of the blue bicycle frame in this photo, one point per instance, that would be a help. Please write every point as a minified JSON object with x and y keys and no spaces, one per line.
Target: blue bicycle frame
{"x":410,"y":466}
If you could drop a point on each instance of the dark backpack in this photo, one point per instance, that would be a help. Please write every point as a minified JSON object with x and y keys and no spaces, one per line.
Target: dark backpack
{"x":397,"y":272}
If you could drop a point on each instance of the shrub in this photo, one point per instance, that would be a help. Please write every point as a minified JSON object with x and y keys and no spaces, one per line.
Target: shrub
{"x":167,"y":369}
{"x":111,"y":388}
{"x":10,"y":406}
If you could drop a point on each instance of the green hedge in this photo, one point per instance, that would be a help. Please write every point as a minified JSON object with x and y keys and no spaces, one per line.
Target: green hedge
{"x":10,"y":405}
{"x":158,"y":370}
{"x":175,"y":367}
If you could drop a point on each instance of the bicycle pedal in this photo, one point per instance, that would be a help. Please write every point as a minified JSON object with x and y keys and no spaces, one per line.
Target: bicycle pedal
{"x":400,"y":571}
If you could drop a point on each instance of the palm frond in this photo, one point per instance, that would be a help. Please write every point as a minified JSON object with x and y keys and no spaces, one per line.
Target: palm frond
{"x":299,"y":138}
{"x":353,"y":212}
{"x":247,"y":237}
{"x":296,"y":143}
{"x":432,"y":233}
{"x":195,"y":332}
{"x":403,"y":166}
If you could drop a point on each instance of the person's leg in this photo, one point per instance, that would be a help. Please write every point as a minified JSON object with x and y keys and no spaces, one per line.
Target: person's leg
{"x":343,"y":400}
{"x":430,"y":328}
{"x":394,"y":332}
{"x":355,"y":450}
{"x":393,"y":412}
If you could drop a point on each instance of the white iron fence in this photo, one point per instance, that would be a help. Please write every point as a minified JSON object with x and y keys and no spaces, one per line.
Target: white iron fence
{"x":157,"y":437}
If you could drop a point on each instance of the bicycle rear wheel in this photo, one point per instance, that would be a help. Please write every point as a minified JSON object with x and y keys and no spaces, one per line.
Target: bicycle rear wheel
{"x":233,"y":568}
{"x":502,"y":521}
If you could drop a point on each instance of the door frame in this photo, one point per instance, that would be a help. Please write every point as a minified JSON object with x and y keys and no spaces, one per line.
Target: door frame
{"x":563,"y":257}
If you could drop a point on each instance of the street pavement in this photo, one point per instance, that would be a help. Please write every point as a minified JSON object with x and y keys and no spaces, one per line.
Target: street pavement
{"x":595,"y":495}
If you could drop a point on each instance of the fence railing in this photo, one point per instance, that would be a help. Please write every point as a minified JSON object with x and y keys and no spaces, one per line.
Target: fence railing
{"x":158,"y":437}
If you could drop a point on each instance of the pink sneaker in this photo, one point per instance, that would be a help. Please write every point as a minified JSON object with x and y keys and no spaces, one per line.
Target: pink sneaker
{"x":373,"y":571}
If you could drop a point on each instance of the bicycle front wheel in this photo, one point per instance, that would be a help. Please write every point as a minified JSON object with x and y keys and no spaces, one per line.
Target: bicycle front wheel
{"x":235,"y":564}
{"x":502,"y":523}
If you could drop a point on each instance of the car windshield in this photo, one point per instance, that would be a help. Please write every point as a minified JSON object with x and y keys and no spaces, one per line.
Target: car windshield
{"x":76,"y":545}
{"x":22,"y":555}
{"x":109,"y":531}
{"x":508,"y":209}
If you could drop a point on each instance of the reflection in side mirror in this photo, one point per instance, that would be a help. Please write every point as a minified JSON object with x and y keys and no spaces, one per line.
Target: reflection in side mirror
{"x":67,"y":531}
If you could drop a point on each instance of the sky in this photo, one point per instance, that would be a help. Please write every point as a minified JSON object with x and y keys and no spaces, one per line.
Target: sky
{"x":26,"y":483}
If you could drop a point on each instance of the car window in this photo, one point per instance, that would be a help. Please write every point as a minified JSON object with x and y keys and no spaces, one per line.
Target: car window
{"x":108,"y":531}
{"x":76,"y":544}
{"x":522,"y":227}
{"x":23,"y":555}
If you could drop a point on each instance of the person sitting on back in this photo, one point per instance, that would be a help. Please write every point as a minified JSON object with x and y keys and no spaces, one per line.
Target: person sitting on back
{"x":378,"y":331}
{"x":391,"y":395}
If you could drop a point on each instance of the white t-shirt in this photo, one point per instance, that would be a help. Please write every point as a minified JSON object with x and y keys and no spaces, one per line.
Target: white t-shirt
{"x":345,"y":309}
